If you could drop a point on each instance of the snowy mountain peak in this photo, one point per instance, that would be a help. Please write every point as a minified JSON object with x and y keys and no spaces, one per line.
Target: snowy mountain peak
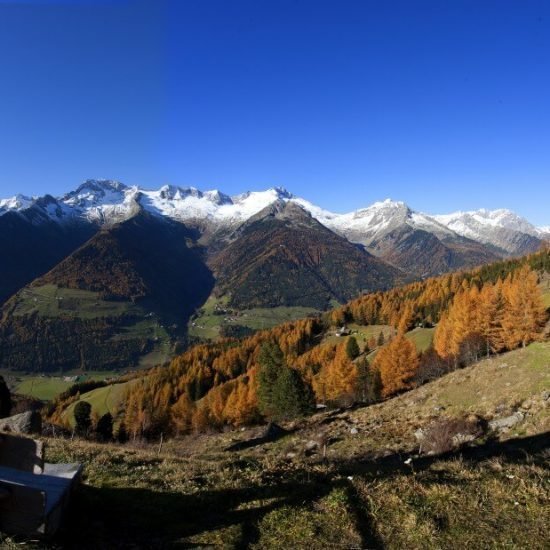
{"x":271,"y":194}
{"x":93,"y":192}
{"x":217,"y":197}
{"x":19,"y":202}
{"x":386,"y":209}
{"x":388,"y":203}
{"x":282,"y":193}
{"x":474,"y":221}
{"x":501,"y":228}
{"x":99,"y":186}
{"x":172,"y":192}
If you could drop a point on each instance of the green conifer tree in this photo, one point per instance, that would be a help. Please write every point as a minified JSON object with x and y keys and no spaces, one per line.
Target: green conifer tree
{"x":282,"y":394}
{"x":352,"y":348}
{"x":292,"y":397}
{"x":104,"y":428}
{"x":82,"y":417}
{"x":368,"y":385}
{"x":271,"y":360}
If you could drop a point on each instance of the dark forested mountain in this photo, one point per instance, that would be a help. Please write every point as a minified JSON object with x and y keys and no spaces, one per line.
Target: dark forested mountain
{"x":28,"y":250}
{"x":126,"y":292}
{"x":284,"y":257}
{"x":143,"y":258}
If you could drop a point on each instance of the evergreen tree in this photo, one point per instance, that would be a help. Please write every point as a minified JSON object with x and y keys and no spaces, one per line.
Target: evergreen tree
{"x":82,"y":417}
{"x":271,"y":361}
{"x":104,"y":427}
{"x":292,"y":397}
{"x":352,"y":348}
{"x":282,"y":394}
{"x":5,"y":398}
{"x":381,"y":339}
{"x":368,"y":384}
{"x":122,"y":434}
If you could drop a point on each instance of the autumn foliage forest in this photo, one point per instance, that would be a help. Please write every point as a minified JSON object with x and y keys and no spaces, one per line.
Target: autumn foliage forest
{"x":488,"y":310}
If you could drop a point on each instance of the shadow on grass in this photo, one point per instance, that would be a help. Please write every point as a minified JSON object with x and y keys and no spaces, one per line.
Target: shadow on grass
{"x":273,"y":432}
{"x":120,"y":518}
{"x":518,"y":451}
{"x":142,"y":518}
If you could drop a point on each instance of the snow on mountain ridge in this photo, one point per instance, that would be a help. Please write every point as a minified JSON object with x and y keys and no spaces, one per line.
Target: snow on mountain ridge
{"x":501,"y":228}
{"x":496,"y":218}
{"x":108,"y":201}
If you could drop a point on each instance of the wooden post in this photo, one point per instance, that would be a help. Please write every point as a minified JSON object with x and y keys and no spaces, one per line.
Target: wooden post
{"x":160,"y":445}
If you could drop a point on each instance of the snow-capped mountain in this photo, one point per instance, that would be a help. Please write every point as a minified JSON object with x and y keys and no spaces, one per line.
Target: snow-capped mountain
{"x":369,"y":225}
{"x":502,"y":229}
{"x":107,"y":202}
{"x":17,"y":203}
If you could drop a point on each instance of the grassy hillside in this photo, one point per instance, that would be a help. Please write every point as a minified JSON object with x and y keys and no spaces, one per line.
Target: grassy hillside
{"x":215,"y":315}
{"x":422,"y":337}
{"x":365,"y":494}
{"x":102,"y":400}
{"x":55,"y":302}
{"x":45,"y":387}
{"x":80,"y":330}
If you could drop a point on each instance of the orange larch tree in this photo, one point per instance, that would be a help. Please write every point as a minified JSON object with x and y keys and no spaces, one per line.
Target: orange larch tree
{"x":397,"y":363}
{"x":524,"y":314}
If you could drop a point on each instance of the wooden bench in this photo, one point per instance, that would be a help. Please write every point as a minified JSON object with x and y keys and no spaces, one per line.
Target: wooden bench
{"x":33,"y":495}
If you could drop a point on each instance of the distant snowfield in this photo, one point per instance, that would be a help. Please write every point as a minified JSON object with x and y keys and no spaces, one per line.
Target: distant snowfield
{"x":106,"y":201}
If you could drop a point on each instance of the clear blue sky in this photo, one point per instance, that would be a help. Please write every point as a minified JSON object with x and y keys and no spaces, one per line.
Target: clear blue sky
{"x":444,"y":104}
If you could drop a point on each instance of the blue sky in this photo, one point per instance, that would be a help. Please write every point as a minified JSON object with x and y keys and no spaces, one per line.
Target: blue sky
{"x":444,"y":105}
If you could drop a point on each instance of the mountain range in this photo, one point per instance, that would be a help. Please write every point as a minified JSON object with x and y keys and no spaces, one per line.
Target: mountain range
{"x":104,"y":202}
{"x":110,"y":263}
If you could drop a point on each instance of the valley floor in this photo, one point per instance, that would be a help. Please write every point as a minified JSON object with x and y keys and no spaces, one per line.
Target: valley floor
{"x":365,"y":493}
